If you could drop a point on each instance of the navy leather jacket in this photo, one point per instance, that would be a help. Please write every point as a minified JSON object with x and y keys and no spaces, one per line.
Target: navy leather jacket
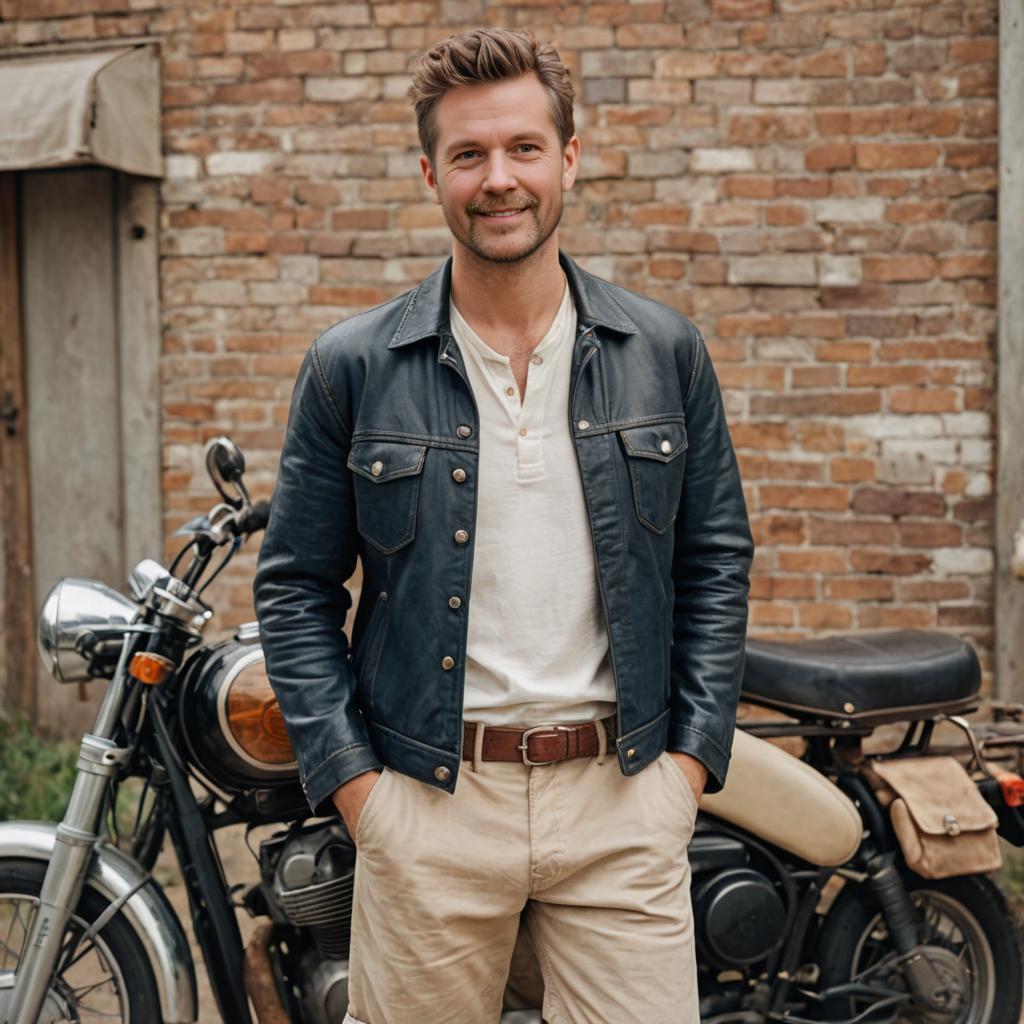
{"x":382,"y":421}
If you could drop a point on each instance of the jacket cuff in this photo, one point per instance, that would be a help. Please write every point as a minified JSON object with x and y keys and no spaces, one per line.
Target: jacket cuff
{"x":684,"y":739}
{"x":333,"y":772}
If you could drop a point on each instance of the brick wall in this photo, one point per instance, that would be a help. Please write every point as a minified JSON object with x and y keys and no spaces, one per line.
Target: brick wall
{"x":812,"y":181}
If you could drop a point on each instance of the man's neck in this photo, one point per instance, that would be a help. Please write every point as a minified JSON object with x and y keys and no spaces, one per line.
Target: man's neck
{"x":510,"y":305}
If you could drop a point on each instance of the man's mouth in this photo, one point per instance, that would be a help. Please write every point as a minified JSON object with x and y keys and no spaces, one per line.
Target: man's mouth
{"x":501,"y":214}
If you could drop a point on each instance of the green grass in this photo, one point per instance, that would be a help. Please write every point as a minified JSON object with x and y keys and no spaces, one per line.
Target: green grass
{"x":1011,"y":878}
{"x":36,"y":775}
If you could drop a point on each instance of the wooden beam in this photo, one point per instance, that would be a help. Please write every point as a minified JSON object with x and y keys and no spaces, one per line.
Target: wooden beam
{"x":19,"y":620}
{"x":1009,"y":668}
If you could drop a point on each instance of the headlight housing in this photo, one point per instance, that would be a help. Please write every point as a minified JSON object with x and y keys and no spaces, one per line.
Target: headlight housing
{"x":74,"y":611}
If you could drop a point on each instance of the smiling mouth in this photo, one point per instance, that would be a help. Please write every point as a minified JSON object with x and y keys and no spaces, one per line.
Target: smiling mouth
{"x":499,"y":214}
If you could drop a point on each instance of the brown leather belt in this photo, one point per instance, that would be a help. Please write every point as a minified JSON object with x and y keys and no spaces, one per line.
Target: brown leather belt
{"x":541,"y":744}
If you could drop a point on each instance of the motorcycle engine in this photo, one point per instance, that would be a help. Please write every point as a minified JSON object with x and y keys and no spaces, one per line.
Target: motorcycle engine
{"x":739,"y":915}
{"x":308,"y":873}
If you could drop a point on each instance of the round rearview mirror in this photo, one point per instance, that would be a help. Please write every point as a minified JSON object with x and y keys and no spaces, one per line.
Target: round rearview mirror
{"x":225,"y":463}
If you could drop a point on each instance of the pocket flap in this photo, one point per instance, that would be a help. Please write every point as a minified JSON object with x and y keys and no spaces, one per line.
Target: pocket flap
{"x":381,"y":461}
{"x":661,"y":441}
{"x":940,"y":796}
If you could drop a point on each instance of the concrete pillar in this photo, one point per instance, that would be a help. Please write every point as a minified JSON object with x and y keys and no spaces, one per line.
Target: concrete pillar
{"x":1009,"y":668}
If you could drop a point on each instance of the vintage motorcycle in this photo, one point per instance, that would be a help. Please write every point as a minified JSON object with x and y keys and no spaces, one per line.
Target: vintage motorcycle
{"x":831,"y":885}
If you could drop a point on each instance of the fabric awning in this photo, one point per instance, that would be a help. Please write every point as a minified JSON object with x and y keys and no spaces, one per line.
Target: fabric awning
{"x":88,"y":107}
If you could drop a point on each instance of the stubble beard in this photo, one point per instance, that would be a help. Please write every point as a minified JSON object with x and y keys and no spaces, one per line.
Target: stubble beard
{"x":539,"y":233}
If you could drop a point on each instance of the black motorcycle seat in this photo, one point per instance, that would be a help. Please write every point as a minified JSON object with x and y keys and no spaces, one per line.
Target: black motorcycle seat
{"x":902,"y":674}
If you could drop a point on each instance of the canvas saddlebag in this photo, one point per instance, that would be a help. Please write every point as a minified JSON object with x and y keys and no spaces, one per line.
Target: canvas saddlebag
{"x":943,"y":824}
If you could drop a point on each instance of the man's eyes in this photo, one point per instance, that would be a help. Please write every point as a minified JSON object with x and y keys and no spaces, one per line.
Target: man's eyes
{"x":470,"y":154}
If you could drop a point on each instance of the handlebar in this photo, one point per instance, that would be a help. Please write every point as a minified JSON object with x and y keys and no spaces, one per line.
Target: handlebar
{"x":253,"y":519}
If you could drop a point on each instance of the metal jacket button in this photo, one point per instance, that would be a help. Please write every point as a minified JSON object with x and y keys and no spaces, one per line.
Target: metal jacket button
{"x":461,"y":536}
{"x":463,"y":431}
{"x":666,"y":446}
{"x":377,"y":468}
{"x":442,"y":774}
{"x":583,"y":424}
{"x":459,"y":475}
{"x":447,"y":663}
{"x":454,"y":601}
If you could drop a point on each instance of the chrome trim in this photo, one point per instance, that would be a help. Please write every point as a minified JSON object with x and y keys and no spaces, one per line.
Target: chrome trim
{"x":237,"y":668}
{"x":144,"y":577}
{"x":73,"y":607}
{"x":525,"y":745}
{"x":114,"y":875}
{"x":248,"y":632}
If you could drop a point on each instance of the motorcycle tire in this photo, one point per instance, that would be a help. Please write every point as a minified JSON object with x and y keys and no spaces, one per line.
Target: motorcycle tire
{"x":967,"y":915}
{"x":117,"y":942}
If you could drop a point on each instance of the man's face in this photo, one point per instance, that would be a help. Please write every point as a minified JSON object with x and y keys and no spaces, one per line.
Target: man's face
{"x":499,"y":170}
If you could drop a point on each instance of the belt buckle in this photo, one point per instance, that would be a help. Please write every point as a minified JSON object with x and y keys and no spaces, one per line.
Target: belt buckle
{"x":525,"y":745}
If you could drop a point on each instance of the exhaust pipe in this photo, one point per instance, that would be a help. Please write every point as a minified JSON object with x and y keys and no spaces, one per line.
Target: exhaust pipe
{"x":259,"y":978}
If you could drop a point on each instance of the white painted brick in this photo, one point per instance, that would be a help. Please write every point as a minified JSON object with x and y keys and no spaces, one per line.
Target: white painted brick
{"x":773,"y":270}
{"x":721,"y":161}
{"x":218,"y":293}
{"x":790,"y":350}
{"x":849,"y":211}
{"x":181,"y":167}
{"x":783,"y":91}
{"x":962,"y":561}
{"x":976,"y":452}
{"x":303,"y":269}
{"x":968,"y":424}
{"x":342,"y":90}
{"x":882,"y":427}
{"x":689,"y":189}
{"x":979,"y":485}
{"x":238,"y":162}
{"x":839,"y":271}
{"x":936,"y":451}
{"x":276,"y":293}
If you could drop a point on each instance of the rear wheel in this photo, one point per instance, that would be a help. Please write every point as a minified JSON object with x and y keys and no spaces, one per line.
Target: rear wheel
{"x":104,"y":978}
{"x":965,"y":918}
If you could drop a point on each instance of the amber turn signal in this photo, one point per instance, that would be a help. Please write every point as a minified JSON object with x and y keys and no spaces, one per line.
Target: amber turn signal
{"x":150,"y":668}
{"x":1013,"y":789}
{"x":255,"y":720}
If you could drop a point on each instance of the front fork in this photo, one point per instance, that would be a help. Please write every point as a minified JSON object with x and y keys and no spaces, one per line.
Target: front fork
{"x":99,"y":760}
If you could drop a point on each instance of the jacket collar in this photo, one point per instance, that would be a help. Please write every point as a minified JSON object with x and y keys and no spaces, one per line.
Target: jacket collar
{"x":426,"y":312}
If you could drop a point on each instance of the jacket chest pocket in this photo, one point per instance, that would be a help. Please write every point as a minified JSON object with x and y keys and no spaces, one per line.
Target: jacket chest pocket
{"x":386,"y":478}
{"x":656,"y":457}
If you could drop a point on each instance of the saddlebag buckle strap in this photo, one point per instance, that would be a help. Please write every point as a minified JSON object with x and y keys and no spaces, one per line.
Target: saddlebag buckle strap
{"x":553,"y":743}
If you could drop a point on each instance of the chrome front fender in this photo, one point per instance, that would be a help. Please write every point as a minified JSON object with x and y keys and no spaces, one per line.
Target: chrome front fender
{"x":113,"y":875}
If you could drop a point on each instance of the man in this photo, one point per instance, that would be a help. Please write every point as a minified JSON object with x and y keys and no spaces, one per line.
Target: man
{"x":534,"y":467}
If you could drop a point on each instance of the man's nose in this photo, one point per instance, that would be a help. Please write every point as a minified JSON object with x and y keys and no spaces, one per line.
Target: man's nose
{"x":500,"y":174}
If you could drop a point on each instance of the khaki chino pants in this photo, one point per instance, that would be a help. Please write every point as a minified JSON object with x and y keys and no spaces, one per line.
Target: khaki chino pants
{"x":597,"y":859}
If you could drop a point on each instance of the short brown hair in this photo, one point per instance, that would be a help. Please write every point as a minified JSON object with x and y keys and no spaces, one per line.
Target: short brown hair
{"x":488,"y":55}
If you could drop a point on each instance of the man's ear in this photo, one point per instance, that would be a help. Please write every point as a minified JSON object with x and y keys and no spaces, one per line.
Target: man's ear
{"x":570,"y":162}
{"x":429,"y":178}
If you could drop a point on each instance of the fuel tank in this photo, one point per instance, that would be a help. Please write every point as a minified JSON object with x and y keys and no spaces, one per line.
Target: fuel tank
{"x":787,"y":803}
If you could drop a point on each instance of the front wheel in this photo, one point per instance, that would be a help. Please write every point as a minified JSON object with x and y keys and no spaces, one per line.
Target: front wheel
{"x":105,"y":978}
{"x":967,"y":917}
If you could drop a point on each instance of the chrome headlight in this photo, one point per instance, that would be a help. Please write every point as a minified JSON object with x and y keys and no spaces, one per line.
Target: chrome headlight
{"x":73,"y":608}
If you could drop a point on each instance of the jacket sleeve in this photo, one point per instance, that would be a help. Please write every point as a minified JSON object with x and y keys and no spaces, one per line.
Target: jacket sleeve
{"x":308,"y":553}
{"x":710,"y":571}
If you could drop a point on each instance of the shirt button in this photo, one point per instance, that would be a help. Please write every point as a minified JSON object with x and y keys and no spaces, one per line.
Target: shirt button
{"x":523,"y":431}
{"x":459,"y":476}
{"x":537,"y":360}
{"x":666,"y":446}
{"x":463,"y":431}
{"x":510,"y":391}
{"x":454,"y":601}
{"x":461,"y":536}
{"x":583,"y":424}
{"x":447,"y":663}
{"x":442,"y":774}
{"x":377,"y":468}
